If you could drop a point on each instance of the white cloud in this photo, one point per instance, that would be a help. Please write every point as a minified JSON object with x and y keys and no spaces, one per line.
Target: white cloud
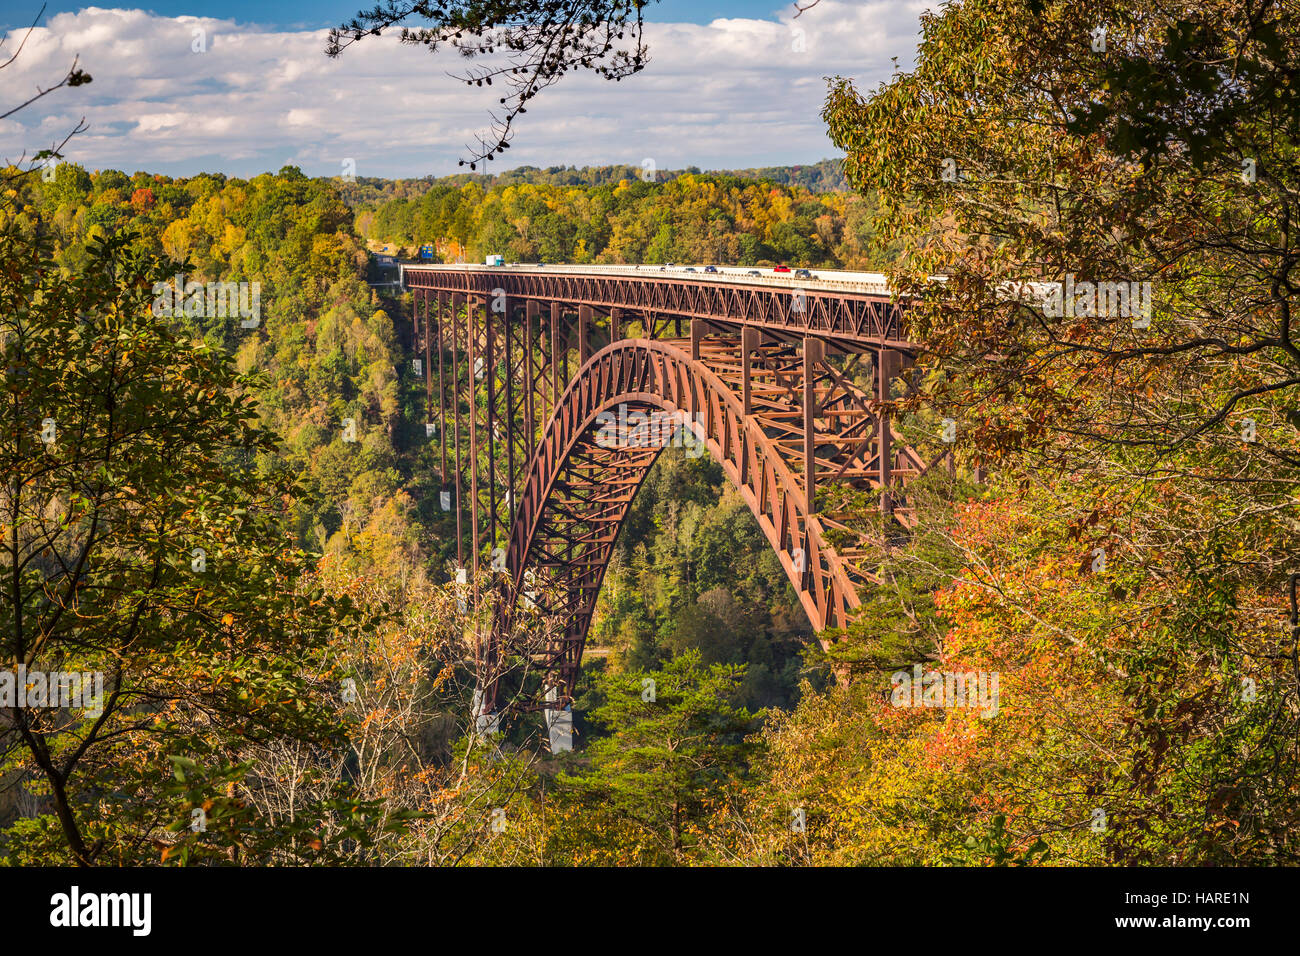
{"x":732,"y":93}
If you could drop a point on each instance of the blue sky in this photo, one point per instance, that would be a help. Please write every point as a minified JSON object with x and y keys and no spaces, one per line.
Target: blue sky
{"x":309,"y":15}
{"x":243,"y":87}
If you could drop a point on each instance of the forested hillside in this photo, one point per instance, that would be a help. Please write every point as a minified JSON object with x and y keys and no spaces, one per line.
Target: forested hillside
{"x":694,"y":217}
{"x":327,"y":347}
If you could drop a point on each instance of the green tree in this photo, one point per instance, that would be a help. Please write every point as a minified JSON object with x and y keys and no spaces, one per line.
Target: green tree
{"x":142,"y":542}
{"x":675,"y":747}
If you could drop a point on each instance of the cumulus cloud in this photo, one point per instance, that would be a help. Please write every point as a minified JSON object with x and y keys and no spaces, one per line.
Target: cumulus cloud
{"x":184,"y":94}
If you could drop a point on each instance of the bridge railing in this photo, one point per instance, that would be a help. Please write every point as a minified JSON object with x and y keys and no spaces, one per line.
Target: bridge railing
{"x":862,"y":283}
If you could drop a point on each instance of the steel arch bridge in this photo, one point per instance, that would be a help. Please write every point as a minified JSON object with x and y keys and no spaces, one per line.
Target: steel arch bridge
{"x":546,"y":390}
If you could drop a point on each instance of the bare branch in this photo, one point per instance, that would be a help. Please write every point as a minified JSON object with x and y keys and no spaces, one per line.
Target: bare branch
{"x":540,"y":40}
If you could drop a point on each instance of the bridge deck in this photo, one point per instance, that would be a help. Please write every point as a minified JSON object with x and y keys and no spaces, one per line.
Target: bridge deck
{"x":866,"y":283}
{"x":852,"y":309}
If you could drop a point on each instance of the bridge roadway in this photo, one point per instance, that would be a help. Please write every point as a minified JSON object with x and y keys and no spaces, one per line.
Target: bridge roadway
{"x":869,"y":283}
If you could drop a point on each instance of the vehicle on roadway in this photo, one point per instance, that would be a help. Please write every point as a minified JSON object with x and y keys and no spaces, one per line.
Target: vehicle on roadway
{"x":781,"y":269}
{"x":710,"y":268}
{"x":803,"y":274}
{"x":495,"y":260}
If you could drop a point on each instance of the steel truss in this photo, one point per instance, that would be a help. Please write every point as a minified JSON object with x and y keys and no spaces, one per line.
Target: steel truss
{"x":523,"y":379}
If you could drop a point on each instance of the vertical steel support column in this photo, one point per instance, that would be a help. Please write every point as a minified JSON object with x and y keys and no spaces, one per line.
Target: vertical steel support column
{"x":530,"y":421}
{"x":613,"y":325}
{"x":442,"y":387}
{"x":457,"y":300}
{"x":490,"y":371}
{"x":484,"y":647}
{"x":556,"y":359}
{"x":584,"y":334}
{"x":428,"y":362}
{"x":472,"y":305}
{"x":885,"y":361}
{"x":511,"y":429}
{"x":415,"y":325}
{"x":749,"y":341}
{"x":812,"y":354}
{"x":698,"y":328}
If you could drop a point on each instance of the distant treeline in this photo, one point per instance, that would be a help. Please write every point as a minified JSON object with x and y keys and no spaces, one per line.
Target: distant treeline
{"x":611,"y":215}
{"x":821,"y":177}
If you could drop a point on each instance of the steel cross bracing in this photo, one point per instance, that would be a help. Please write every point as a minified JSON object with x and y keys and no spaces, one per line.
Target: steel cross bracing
{"x":794,"y":403}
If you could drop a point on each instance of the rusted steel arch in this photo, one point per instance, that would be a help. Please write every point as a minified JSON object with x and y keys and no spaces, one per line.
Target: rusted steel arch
{"x":577,"y":494}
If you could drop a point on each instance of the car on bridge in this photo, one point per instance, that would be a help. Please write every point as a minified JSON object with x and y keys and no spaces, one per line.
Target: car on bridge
{"x":781,"y":269}
{"x":710,"y":268}
{"x":803,"y":274}
{"x":753,"y":272}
